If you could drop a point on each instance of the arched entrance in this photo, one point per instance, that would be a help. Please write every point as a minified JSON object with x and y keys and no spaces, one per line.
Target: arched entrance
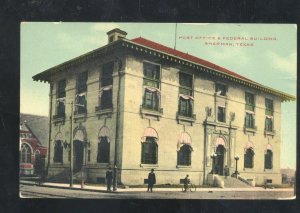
{"x":78,"y":150}
{"x":219,"y":163}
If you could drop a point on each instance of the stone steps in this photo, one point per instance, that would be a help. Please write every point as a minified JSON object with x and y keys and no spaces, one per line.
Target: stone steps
{"x":232,"y":182}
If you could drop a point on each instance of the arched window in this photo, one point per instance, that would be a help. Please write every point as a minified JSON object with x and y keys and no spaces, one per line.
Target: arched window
{"x":149,"y":146}
{"x":58,"y":152}
{"x":149,"y":151}
{"x":184,"y":149}
{"x":25,"y":153}
{"x":248,"y":158}
{"x":184,"y":155}
{"x":269,"y":159}
{"x":103,"y":146}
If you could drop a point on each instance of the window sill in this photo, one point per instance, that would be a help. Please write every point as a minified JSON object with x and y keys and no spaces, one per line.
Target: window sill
{"x":252,"y":130}
{"x":183,"y":167}
{"x":248,"y":169}
{"x":270,"y":133}
{"x":190,"y":119}
{"x":148,"y":165}
{"x":268,"y":170}
{"x":98,"y":165}
{"x":100,"y":111}
{"x":80,"y":115}
{"x":150,"y":112}
{"x":59,"y":118}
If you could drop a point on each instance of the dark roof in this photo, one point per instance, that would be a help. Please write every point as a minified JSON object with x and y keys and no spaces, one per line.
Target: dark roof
{"x":39,"y":126}
{"x":185,"y":56}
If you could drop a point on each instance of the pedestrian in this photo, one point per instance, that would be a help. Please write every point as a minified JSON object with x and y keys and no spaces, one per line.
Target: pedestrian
{"x":109,"y":177}
{"x":186,"y":182}
{"x":151,"y":180}
{"x":226,"y":171}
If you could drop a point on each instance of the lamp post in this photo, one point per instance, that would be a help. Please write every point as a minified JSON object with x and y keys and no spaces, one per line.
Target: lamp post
{"x":115,"y":179}
{"x":236,"y":158}
{"x":213,"y":157}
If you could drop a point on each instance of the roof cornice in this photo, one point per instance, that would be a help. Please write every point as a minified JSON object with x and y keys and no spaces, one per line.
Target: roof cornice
{"x":45,"y":76}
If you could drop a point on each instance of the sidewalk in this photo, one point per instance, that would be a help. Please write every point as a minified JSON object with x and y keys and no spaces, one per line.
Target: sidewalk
{"x":103,"y":188}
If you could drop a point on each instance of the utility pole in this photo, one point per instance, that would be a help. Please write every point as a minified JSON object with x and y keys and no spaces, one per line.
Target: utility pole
{"x":71,"y":146}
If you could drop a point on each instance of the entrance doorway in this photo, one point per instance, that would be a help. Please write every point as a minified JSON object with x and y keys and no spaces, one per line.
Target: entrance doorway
{"x":219,"y":163}
{"x":78,"y":155}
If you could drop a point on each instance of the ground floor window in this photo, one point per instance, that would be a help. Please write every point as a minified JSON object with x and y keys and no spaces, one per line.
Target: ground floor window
{"x":248,"y":158}
{"x":103,"y":150}
{"x":269,"y":159}
{"x":58,"y":152}
{"x":184,"y":155}
{"x":149,"y":151}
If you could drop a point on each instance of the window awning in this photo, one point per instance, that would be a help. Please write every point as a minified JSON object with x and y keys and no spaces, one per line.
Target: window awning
{"x":79,"y":136}
{"x":152,"y":89}
{"x":220,"y":141}
{"x":104,"y":132}
{"x":59,"y":137}
{"x":269,"y":147}
{"x":186,"y":97}
{"x":249,"y":145}
{"x":184,"y":139}
{"x":149,"y":132}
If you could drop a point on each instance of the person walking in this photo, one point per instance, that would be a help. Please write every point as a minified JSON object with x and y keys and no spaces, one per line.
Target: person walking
{"x":151,"y":180}
{"x":186,"y":182}
{"x":109,"y":177}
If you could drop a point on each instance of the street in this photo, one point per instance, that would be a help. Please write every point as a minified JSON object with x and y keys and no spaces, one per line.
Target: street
{"x":33,"y":191}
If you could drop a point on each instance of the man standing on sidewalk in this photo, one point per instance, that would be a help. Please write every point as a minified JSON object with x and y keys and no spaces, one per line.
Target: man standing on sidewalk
{"x":151,"y":180}
{"x":109,"y":176}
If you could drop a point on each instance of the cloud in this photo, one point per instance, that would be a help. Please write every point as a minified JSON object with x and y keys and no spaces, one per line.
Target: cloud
{"x":286,"y":64}
{"x":103,"y":27}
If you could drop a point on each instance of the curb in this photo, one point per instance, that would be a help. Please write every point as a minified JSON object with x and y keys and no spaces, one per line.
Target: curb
{"x":71,"y":188}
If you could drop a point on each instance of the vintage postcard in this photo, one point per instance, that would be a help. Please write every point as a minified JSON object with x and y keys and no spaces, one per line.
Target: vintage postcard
{"x":158,"y":110}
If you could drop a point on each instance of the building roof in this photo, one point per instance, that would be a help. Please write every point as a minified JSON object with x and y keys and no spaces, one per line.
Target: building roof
{"x":183,"y":55}
{"x":143,"y":45}
{"x":38,"y":125}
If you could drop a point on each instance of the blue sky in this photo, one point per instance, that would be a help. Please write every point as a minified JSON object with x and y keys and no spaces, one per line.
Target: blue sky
{"x":269,"y":62}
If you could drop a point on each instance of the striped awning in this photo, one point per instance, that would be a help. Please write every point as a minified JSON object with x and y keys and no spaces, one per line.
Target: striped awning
{"x":269,"y":147}
{"x":249,"y":145}
{"x":79,"y":136}
{"x":149,"y":132}
{"x":59,"y":137}
{"x":184,"y":139}
{"x":220,"y":141}
{"x":104,"y":132}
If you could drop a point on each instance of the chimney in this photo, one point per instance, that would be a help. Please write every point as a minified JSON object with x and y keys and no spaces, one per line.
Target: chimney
{"x":115,"y":35}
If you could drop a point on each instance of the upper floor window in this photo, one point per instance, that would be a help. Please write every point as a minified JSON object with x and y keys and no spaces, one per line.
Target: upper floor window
{"x":185,"y":84}
{"x":269,"y":124}
{"x":185,"y":106}
{"x":151,"y":74}
{"x":269,"y":107}
{"x":221,"y":89}
{"x":151,"y":99}
{"x":221,"y":114}
{"x":186,"y":100}
{"x":106,"y":82}
{"x":61,"y":97}
{"x":249,"y":120}
{"x":81,"y":89}
{"x":249,"y":98}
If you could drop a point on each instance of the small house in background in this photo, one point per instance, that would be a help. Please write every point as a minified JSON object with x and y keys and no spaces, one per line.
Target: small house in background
{"x":33,"y":144}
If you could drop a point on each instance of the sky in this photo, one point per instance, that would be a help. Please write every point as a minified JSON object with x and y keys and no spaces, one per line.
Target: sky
{"x":271,"y":61}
